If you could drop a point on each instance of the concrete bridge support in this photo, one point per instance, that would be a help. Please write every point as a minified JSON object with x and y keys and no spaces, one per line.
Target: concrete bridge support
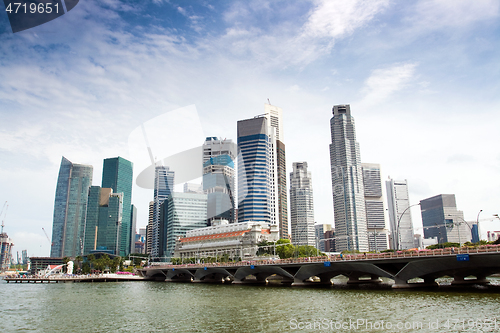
{"x":459,"y":280}
{"x":429,"y":282}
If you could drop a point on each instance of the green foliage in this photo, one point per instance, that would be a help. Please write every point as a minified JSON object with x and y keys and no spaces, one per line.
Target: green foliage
{"x":86,"y":268}
{"x":442,"y":245}
{"x":285,"y":250}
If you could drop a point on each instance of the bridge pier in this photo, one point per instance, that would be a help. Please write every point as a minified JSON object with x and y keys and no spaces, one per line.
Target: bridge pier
{"x":403,"y":284}
{"x":459,"y":280}
{"x":357,"y":279}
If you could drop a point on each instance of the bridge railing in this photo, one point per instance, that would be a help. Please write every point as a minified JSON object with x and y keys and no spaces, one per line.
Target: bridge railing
{"x":340,"y":257}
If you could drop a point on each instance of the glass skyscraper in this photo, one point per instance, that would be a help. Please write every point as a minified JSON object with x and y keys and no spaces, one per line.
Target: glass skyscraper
{"x":253,"y":170}
{"x":117,"y":173}
{"x":347,"y":183}
{"x":70,"y":209}
{"x":219,"y":178}
{"x":398,"y":201}
{"x":104,"y":216}
{"x":164,"y":186}
{"x":180,"y":213}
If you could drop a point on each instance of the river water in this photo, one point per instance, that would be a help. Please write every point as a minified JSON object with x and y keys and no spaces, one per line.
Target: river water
{"x":190,"y":307}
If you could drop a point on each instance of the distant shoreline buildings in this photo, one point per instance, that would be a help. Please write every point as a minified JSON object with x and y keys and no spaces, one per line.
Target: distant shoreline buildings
{"x":244,"y":190}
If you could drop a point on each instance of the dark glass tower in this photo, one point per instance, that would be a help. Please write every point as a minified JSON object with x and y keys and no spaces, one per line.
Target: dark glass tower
{"x":117,"y":173}
{"x":70,"y":209}
{"x":253,"y":170}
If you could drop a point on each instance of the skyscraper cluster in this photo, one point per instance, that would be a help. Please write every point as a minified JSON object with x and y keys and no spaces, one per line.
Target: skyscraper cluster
{"x":89,"y":218}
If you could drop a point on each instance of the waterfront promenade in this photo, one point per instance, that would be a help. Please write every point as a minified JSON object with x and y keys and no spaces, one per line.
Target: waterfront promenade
{"x":74,"y":278}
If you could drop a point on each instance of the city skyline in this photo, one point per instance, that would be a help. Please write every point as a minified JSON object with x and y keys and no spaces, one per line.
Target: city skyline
{"x":421,"y":77}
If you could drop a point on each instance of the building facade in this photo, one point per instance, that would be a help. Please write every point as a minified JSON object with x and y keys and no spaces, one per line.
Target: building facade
{"x":163,"y":187}
{"x":253,"y":170}
{"x":374,"y":207}
{"x":234,"y":240}
{"x":301,"y":205}
{"x":347,"y":183}
{"x":117,"y":173}
{"x":104,"y":223}
{"x":319,"y":233}
{"x":181,"y":212}
{"x":277,"y":169}
{"x":441,"y":219}
{"x":398,"y":203}
{"x":219,"y":179}
{"x":6,"y":245}
{"x":70,"y":209}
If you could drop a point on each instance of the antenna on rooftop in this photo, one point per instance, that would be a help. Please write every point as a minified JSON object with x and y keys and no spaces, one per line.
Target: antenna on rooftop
{"x":268,"y":101}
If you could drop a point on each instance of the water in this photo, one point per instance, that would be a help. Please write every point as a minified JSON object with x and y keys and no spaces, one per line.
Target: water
{"x":184,"y":307}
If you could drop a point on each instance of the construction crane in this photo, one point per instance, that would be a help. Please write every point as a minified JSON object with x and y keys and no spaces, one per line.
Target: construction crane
{"x":6,"y":207}
{"x":47,"y":236}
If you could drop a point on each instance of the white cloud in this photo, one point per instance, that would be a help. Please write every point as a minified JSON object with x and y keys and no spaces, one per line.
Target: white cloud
{"x":433,"y":14}
{"x":382,"y":83}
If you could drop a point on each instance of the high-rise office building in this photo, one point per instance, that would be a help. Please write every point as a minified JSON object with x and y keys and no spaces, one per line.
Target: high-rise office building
{"x":301,"y":205}
{"x":330,"y":240}
{"x":398,"y":202}
{"x":163,"y":187}
{"x":347,"y":183}
{"x":6,"y":245}
{"x":374,"y":206}
{"x":278,"y":195}
{"x":133,"y":225}
{"x":441,"y":219}
{"x":253,"y":170}
{"x":104,"y":222}
{"x":219,"y":178}
{"x":180,"y":213}
{"x":319,"y":233}
{"x":149,"y":228}
{"x":117,"y":173}
{"x":70,"y":209}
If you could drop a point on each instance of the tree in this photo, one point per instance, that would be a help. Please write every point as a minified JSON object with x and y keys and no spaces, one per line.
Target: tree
{"x":284,"y":249}
{"x":78,"y":261}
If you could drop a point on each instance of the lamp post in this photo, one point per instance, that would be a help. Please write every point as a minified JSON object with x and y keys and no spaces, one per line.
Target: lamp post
{"x":477,"y":223}
{"x":399,"y":221}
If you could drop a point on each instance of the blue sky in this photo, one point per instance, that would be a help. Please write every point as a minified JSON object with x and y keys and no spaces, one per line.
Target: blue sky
{"x":422,"y":78}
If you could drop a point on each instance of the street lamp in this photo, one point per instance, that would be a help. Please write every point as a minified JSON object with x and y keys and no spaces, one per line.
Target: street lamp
{"x":399,"y":221}
{"x":477,"y":223}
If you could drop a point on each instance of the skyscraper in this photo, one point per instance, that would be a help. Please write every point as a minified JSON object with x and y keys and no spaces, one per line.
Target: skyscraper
{"x":219,"y":178}
{"x":180,"y":213}
{"x":117,"y":173}
{"x":301,"y":205}
{"x":70,"y":209}
{"x":347,"y":183}
{"x":375,"y":217}
{"x":253,"y":170}
{"x":441,"y":219}
{"x":398,"y":201}
{"x":278,"y":195}
{"x":149,"y":228}
{"x":104,"y":221}
{"x":164,"y":186}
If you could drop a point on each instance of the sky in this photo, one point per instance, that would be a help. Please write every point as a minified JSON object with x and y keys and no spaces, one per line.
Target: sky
{"x":422,"y":78}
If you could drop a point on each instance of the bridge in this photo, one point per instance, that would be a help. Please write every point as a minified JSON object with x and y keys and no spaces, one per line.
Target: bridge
{"x":466,"y":266}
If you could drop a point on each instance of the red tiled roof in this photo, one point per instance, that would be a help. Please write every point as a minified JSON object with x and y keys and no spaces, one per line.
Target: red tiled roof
{"x":214,"y":236}
{"x":221,"y":235}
